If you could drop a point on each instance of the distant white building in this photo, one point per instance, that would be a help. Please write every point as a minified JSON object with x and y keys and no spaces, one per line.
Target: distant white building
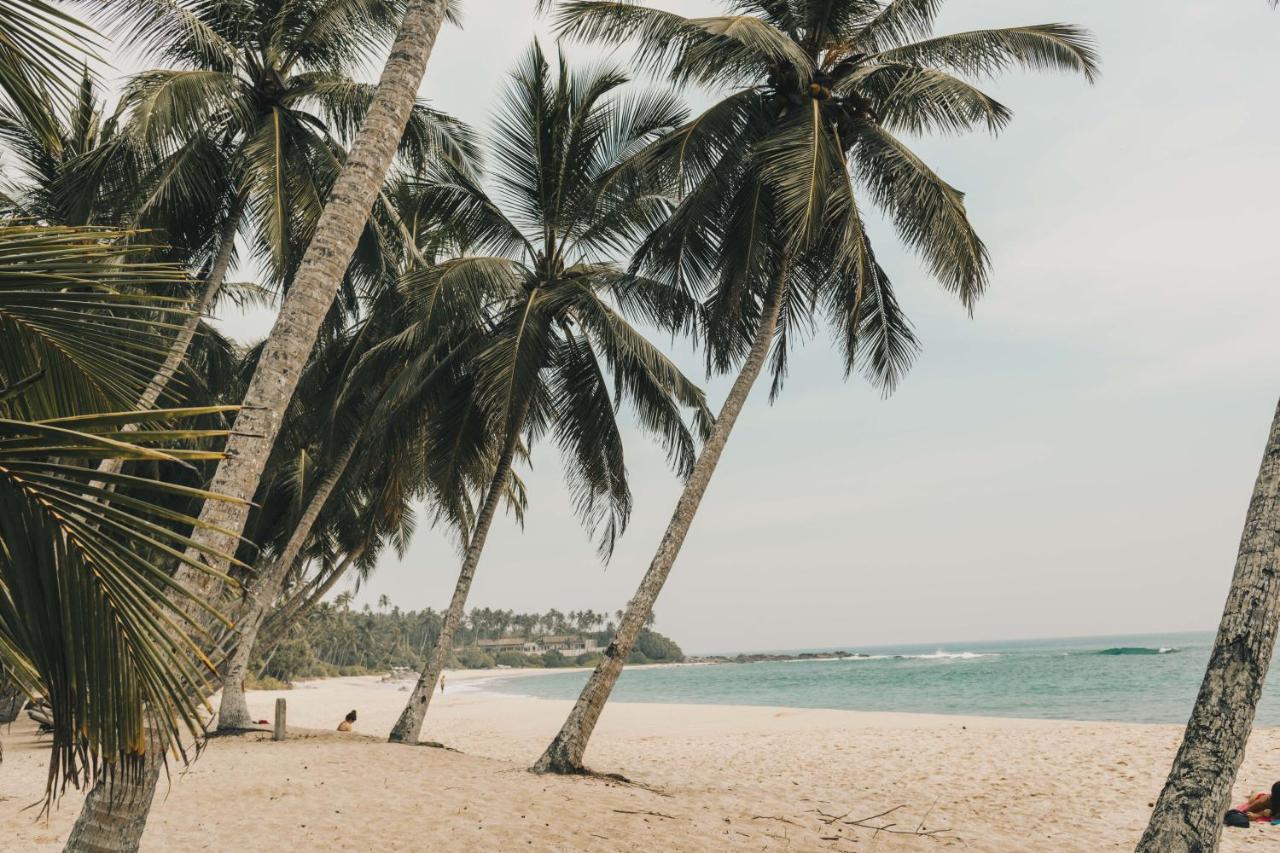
{"x":569,"y":645}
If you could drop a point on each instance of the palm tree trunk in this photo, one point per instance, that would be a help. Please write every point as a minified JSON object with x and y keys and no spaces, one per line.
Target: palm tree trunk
{"x":186,"y":335}
{"x":1188,"y":814}
{"x":233,"y":712}
{"x":564,"y":754}
{"x":277,"y":624}
{"x":302,"y":312}
{"x":213,"y":282}
{"x":115,"y":813}
{"x":409,"y":726}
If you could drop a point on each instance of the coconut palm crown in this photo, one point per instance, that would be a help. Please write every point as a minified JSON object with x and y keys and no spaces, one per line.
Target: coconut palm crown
{"x":254,"y":113}
{"x":776,"y":176}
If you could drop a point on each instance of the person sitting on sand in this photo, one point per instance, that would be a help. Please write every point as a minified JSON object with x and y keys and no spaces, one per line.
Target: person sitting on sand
{"x":1260,"y":806}
{"x":345,"y":725}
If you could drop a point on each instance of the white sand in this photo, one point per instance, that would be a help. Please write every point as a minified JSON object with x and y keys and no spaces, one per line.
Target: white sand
{"x":717,"y":777}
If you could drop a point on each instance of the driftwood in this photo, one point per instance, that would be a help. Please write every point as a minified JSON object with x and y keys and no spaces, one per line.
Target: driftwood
{"x":877,"y":828}
{"x":655,"y":814}
{"x":774,"y":817}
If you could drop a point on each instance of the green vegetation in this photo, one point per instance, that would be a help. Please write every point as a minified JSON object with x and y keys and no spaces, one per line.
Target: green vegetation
{"x":334,"y":640}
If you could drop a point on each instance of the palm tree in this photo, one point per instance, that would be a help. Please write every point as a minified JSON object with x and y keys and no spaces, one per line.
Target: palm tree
{"x":119,"y":816}
{"x":409,"y":451}
{"x":559,"y":145}
{"x":86,"y":609}
{"x":773,"y":180}
{"x":246,"y":131}
{"x":46,"y":146}
{"x":1188,"y":814}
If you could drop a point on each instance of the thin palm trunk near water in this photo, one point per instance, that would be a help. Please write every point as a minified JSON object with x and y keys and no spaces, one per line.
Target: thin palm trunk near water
{"x":1188,"y":815}
{"x":564,"y":754}
{"x":292,"y":338}
{"x":409,"y":727}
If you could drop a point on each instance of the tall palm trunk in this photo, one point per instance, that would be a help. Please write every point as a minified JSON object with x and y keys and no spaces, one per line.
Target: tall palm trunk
{"x":233,"y":712}
{"x":409,"y":726}
{"x":1188,"y":814}
{"x":295,"y":330}
{"x":564,"y":754}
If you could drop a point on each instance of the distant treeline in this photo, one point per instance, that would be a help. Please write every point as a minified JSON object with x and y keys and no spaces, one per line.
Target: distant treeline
{"x":334,"y":639}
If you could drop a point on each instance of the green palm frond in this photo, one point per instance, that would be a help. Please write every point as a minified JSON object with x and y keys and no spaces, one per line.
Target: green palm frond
{"x":921,"y":100}
{"x":929,"y":213}
{"x":42,"y":51}
{"x":196,"y":33}
{"x":85,"y":605}
{"x":693,"y":50}
{"x":897,"y":22}
{"x":86,"y":308}
{"x":1044,"y":47}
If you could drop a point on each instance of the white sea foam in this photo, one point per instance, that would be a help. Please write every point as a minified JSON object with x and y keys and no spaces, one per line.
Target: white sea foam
{"x":943,"y":655}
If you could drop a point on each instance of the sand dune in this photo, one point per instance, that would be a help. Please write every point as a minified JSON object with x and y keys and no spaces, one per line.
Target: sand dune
{"x":713,"y":777}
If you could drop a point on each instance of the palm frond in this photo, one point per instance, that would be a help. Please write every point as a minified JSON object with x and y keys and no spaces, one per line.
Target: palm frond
{"x":85,"y":606}
{"x":84,"y":306}
{"x":691,"y":50}
{"x":1042,"y":47}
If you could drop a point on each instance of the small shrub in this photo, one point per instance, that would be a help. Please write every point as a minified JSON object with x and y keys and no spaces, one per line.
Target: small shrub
{"x":588,"y":659}
{"x":473,"y":658}
{"x":512,"y":658}
{"x":552,"y":658}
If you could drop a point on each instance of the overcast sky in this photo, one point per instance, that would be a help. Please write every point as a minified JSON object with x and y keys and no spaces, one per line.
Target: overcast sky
{"x":1075,"y":459}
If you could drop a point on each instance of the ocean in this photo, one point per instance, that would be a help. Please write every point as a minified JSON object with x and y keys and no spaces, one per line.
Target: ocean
{"x":1142,"y":679}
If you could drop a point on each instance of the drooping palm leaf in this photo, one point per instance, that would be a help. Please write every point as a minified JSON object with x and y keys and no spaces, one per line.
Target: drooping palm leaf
{"x":88,"y":309}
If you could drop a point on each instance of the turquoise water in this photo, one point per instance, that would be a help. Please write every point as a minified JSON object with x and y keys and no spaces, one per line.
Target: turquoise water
{"x":1149,"y":679}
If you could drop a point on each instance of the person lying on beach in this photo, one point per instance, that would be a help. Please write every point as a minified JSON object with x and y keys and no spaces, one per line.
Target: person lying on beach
{"x":345,"y":725}
{"x":1259,"y":808}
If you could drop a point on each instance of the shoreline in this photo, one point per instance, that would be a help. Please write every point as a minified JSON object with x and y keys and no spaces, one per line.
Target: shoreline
{"x":710,"y":777}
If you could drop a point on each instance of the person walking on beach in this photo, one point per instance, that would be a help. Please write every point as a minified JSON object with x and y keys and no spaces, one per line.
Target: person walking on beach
{"x":442,"y":684}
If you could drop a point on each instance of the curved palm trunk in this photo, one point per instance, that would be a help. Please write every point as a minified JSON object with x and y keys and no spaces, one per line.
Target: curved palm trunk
{"x":564,"y":754}
{"x":409,"y":726}
{"x":187,"y":334}
{"x":212,"y":286}
{"x":301,"y":314}
{"x":277,"y":624}
{"x":1188,"y":814}
{"x":233,"y":712}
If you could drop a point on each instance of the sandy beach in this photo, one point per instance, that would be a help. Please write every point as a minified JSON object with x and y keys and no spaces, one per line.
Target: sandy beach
{"x":708,"y":778}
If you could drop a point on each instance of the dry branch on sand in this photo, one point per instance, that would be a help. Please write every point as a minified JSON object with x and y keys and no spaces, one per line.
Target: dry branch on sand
{"x":888,"y":828}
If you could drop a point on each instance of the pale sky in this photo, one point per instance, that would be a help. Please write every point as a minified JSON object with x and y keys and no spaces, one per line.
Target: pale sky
{"x":1075,"y":459}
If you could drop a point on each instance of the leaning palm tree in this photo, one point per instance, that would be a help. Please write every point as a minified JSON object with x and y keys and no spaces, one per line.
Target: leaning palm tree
{"x":89,"y":618}
{"x":358,"y":440}
{"x":774,"y":179}
{"x":303,"y":310}
{"x":1188,"y":813}
{"x":557,"y":314}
